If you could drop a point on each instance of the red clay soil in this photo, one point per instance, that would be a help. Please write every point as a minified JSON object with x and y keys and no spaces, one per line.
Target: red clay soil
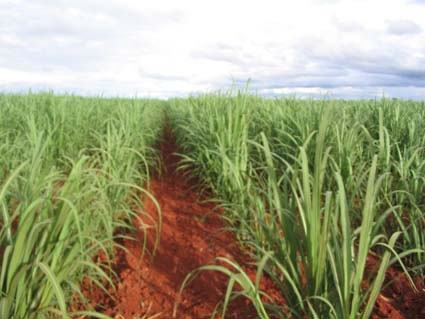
{"x":399,"y":300}
{"x":192,"y":236}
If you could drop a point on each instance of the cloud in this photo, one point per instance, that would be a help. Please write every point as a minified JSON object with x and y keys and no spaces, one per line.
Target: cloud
{"x":165,"y":48}
{"x":403,"y":27}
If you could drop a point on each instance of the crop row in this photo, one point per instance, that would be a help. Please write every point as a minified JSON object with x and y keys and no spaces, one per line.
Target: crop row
{"x":71,"y":170}
{"x":315,"y":190}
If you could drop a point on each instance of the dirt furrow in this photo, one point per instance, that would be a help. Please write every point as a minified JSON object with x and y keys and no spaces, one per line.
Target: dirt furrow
{"x":192,"y":235}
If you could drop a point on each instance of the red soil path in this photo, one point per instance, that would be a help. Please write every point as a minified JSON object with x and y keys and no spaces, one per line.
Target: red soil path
{"x":192,"y":235}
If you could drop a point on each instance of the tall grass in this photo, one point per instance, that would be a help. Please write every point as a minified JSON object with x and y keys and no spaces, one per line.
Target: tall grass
{"x":311,"y":188}
{"x":317,"y":186}
{"x":70,"y":173}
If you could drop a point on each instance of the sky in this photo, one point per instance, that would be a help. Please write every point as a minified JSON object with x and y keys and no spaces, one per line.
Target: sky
{"x":158,"y":48}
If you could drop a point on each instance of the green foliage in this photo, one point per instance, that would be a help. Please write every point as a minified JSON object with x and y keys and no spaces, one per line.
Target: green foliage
{"x":316,"y":186}
{"x":70,"y":173}
{"x":312,"y":188}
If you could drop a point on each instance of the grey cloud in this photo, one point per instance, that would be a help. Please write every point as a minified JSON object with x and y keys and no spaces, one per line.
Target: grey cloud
{"x":394,"y":67}
{"x":403,"y":27}
{"x":348,"y":68}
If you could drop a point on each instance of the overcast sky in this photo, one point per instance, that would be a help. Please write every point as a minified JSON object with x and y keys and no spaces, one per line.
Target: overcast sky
{"x":158,"y":48}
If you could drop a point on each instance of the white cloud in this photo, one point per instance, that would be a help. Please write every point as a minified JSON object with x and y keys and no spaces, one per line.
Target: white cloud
{"x":352,"y":48}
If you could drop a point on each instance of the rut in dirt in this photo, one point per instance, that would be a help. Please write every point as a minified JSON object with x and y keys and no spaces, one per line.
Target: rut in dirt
{"x":192,"y":235}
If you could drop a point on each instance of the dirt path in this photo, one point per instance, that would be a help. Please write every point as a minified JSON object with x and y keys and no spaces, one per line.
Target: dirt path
{"x":192,"y":235}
